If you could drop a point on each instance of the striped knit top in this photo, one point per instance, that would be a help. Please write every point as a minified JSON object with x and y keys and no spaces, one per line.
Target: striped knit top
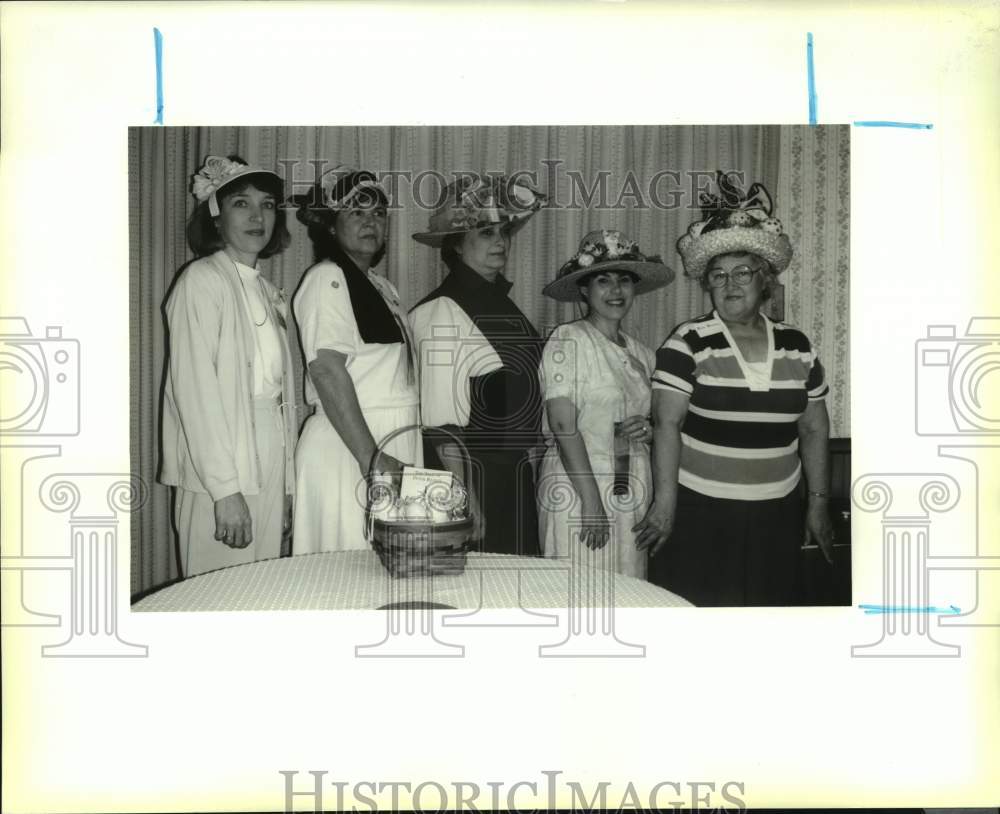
{"x":740,"y":435}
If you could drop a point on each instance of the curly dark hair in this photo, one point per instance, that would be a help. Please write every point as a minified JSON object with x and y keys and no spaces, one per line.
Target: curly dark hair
{"x":321,"y":221}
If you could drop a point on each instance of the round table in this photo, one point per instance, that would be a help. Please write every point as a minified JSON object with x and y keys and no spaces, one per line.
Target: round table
{"x":356,"y":580}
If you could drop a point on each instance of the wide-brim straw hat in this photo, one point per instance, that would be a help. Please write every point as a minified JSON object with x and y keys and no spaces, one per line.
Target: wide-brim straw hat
{"x":475,"y":202}
{"x":608,"y":250}
{"x":734,"y":222}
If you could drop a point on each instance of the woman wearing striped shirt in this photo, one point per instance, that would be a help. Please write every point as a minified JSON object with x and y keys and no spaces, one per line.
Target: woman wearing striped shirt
{"x":739,"y":413}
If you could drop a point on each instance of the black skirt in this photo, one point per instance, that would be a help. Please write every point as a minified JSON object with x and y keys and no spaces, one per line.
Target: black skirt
{"x":505,"y":481}
{"x":725,"y":553}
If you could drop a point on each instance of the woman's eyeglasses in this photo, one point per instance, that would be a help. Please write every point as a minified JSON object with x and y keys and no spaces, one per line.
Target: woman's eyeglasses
{"x":741,"y":275}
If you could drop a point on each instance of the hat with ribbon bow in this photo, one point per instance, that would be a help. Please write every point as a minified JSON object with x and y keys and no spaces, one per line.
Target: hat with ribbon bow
{"x":475,"y":201}
{"x":217,"y":172}
{"x":341,"y":188}
{"x":608,"y":250}
{"x":734,"y":221}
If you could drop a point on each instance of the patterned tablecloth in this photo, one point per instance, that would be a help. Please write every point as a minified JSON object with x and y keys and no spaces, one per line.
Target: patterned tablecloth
{"x":355,"y":580}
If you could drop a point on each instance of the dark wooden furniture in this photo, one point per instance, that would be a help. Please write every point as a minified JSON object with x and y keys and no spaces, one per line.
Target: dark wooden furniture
{"x":822,"y":583}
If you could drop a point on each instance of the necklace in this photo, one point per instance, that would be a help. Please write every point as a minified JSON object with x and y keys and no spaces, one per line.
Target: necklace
{"x":247,"y":296}
{"x":619,"y":340}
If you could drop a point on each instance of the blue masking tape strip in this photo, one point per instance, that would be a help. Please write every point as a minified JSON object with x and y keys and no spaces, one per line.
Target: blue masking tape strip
{"x":158,"y":46}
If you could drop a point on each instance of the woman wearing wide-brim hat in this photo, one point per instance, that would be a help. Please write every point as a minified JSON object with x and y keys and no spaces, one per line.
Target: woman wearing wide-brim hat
{"x":228,"y":403}
{"x":479,"y":357}
{"x":740,"y":416}
{"x":595,"y":382}
{"x":360,"y":363}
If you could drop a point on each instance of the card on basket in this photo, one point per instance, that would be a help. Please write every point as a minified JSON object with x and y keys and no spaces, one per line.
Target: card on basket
{"x":416,"y":480}
{"x":415,"y":483}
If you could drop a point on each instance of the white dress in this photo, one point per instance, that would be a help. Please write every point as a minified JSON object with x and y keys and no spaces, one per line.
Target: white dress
{"x":606,"y":383}
{"x":330,"y":489}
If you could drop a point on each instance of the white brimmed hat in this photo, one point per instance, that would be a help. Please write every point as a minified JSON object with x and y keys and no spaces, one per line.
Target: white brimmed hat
{"x":216,"y":173}
{"x":734,"y":221}
{"x":608,"y":250}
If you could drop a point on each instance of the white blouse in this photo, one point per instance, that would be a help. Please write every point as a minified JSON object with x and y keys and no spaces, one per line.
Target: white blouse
{"x":452,"y":351}
{"x":382,"y":374}
{"x":267,"y":365}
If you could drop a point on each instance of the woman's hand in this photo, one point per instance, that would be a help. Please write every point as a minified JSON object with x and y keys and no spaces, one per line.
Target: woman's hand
{"x":596,"y":530}
{"x":654,"y":529}
{"x":233,"y":525}
{"x":819,"y":528}
{"x":636,"y":428}
{"x":385,"y":464}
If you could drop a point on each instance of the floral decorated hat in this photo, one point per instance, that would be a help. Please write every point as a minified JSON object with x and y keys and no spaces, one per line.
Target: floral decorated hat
{"x":216,"y":173}
{"x":342,"y":187}
{"x":475,"y":201}
{"x":734,"y":221}
{"x":608,"y":250}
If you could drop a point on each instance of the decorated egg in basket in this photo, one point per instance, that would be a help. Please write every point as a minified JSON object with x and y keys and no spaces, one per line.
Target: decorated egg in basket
{"x":414,"y":508}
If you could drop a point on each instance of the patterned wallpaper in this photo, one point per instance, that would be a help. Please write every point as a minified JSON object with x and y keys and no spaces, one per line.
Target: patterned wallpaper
{"x":813,"y":203}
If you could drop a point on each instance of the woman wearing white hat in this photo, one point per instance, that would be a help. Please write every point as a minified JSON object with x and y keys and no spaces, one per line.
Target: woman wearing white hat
{"x":229,"y":406}
{"x":361,"y":377}
{"x":595,"y":381}
{"x":479,"y":358}
{"x":738,"y":404}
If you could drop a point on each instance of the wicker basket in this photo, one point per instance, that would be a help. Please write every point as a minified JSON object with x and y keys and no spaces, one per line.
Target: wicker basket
{"x":420,"y":548}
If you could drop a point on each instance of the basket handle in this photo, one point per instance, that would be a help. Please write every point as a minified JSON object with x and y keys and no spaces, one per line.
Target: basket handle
{"x":380,"y":447}
{"x":466,"y":468}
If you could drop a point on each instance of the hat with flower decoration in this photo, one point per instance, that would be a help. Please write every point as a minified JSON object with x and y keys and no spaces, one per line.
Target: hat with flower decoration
{"x":734,"y":221}
{"x":217,"y":172}
{"x":341,"y":188}
{"x":608,"y":250}
{"x":475,"y":201}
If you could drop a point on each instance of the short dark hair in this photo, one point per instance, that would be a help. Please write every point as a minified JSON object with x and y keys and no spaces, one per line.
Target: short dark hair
{"x":449,"y":246}
{"x":203,"y":235}
{"x":769,"y":275}
{"x":318,"y":221}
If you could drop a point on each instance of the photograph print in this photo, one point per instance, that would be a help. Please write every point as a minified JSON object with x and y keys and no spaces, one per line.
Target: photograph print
{"x":464,"y":367}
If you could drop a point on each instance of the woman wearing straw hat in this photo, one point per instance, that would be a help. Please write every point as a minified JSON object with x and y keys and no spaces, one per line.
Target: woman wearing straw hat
{"x":361,"y":377}
{"x":229,"y":406}
{"x":739,"y":410}
{"x":595,"y":381}
{"x":479,"y":358}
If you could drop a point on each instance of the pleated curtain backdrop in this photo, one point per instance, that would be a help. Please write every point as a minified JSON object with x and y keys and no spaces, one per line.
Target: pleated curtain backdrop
{"x":162,"y":160}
